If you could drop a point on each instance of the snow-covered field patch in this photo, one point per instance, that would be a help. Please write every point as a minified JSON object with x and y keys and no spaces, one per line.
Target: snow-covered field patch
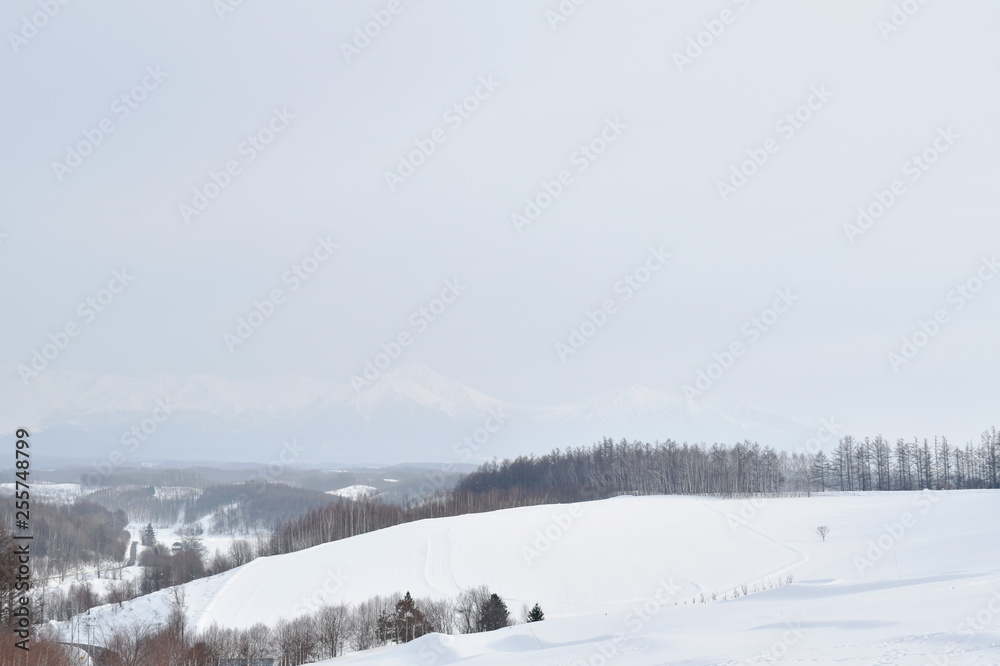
{"x":354,"y":492}
{"x":58,"y":493}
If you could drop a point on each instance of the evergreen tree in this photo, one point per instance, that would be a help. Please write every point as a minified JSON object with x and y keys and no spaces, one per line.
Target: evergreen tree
{"x":149,"y":535}
{"x":409,"y":621}
{"x":821,"y":471}
{"x":536,"y":614}
{"x":494,"y":614}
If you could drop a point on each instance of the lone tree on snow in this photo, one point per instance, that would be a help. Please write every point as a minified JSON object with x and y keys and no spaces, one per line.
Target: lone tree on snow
{"x":536,"y":614}
{"x":822,"y":531}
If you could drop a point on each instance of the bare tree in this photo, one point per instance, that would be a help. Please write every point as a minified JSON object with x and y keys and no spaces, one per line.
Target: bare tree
{"x":365,"y":622}
{"x":130,"y":642}
{"x":470,"y":606}
{"x":822,"y":531}
{"x":240,"y":552}
{"x":121,"y":591}
{"x":440,"y":614}
{"x":331,"y":629}
{"x":177,"y":621}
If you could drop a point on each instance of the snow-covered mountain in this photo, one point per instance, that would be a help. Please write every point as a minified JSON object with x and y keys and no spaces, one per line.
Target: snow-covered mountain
{"x":408,"y":413}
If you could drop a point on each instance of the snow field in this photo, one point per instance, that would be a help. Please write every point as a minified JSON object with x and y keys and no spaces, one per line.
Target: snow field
{"x":898,"y":580}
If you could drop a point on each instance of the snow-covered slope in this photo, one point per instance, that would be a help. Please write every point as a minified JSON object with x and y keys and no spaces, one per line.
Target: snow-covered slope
{"x":897,"y":575}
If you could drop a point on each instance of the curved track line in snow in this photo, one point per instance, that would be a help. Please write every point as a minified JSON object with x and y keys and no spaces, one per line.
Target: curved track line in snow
{"x":438,"y":572}
{"x":803,"y":556}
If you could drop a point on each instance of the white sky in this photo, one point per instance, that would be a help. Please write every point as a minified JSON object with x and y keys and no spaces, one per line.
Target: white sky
{"x":656,"y":185}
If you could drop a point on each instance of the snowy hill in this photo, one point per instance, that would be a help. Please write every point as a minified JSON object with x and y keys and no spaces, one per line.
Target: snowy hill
{"x":897,"y":577}
{"x":409,"y":412}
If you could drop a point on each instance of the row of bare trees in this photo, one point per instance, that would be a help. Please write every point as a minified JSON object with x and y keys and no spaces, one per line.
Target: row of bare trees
{"x":326,"y":631}
{"x":144,"y":503}
{"x":875,"y":464}
{"x":608,"y":468}
{"x":331,"y":630}
{"x":68,"y":536}
{"x":162,"y":568}
{"x":61,"y":604}
{"x":742,"y":469}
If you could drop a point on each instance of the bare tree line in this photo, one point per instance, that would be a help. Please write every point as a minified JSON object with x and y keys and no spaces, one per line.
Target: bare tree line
{"x":875,"y":464}
{"x":608,"y":468}
{"x":328,"y":631}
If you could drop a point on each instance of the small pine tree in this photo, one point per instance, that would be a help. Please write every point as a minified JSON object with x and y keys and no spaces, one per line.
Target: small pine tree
{"x":536,"y":614}
{"x":149,"y":535}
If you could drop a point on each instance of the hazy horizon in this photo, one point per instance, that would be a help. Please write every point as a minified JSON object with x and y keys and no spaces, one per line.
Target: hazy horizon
{"x":543,"y":206}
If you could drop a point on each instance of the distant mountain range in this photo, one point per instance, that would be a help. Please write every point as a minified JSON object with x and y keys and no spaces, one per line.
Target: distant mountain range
{"x":409,"y":413}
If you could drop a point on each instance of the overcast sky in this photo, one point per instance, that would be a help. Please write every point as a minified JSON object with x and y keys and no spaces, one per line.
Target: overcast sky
{"x":833,"y":100}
